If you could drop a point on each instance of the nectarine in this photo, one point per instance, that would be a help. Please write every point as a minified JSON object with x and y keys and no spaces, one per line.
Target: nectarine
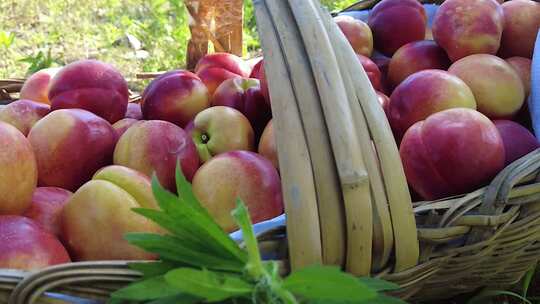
{"x":46,"y":207}
{"x":267,"y":145}
{"x":424,"y":93}
{"x":521,"y":24}
{"x":451,"y":152}
{"x":23,"y":114}
{"x":357,"y":33}
{"x":517,"y":140}
{"x":239,"y":174}
{"x":70,"y":146}
{"x":90,"y":85}
{"x":36,"y":87}
{"x":175,"y":97}
{"x":397,"y":22}
{"x":156,"y":146}
{"x":496,"y":86}
{"x":414,"y":57}
{"x":466,"y":27}
{"x":221,"y":129}
{"x":18,"y":173}
{"x":245,"y":95}
{"x":26,"y":246}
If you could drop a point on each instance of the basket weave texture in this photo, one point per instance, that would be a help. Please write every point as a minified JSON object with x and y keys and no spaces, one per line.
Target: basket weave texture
{"x":346,"y":196}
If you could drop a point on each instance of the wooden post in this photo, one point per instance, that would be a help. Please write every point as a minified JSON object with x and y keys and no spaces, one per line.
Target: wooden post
{"x":216,"y":21}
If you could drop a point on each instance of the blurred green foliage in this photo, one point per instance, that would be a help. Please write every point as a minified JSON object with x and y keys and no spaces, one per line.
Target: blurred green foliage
{"x":133,"y":35}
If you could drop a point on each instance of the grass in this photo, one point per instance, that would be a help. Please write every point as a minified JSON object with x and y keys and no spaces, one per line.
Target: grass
{"x":133,"y":35}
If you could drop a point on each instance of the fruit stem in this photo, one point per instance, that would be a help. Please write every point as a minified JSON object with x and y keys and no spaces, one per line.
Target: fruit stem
{"x":205,"y":138}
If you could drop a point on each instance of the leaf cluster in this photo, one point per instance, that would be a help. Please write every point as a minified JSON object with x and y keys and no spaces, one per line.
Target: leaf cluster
{"x":200,"y":263}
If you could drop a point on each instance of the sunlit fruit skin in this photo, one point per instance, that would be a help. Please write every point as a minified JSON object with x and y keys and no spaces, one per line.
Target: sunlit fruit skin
{"x":24,"y":245}
{"x":451,"y":152}
{"x":19,"y":171}
{"x":518,"y":141}
{"x":36,"y":87}
{"x":120,"y":127}
{"x":23,"y":114}
{"x":221,"y":129}
{"x":264,"y":84}
{"x":239,"y":174}
{"x":99,"y":232}
{"x":245,"y":95}
{"x":523,"y":67}
{"x":357,"y":33}
{"x":395,"y":23}
{"x":90,"y":85}
{"x":466,"y":27}
{"x":213,"y":77}
{"x":372,"y":71}
{"x":521,"y":24}
{"x":70,"y":146}
{"x":215,"y":68}
{"x":424,"y":93}
{"x":227,"y":61}
{"x":384,"y":100}
{"x":137,"y":184}
{"x":156,"y":146}
{"x":134,"y":111}
{"x":256,"y":71}
{"x":267,"y":145}
{"x":252,"y":62}
{"x":176,"y":97}
{"x":46,"y":208}
{"x":496,"y":86}
{"x":414,"y":57}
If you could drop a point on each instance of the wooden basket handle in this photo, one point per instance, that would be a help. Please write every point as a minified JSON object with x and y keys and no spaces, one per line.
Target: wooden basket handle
{"x":344,"y":100}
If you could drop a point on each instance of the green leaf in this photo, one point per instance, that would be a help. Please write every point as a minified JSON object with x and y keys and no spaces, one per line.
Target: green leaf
{"x":254,"y":265}
{"x":177,"y":299}
{"x":115,"y":301}
{"x":171,"y":248}
{"x":384,"y":299}
{"x":185,"y":193}
{"x":153,"y":269}
{"x":380,"y":299}
{"x":378,"y":284}
{"x":486,"y":294}
{"x":149,"y":289}
{"x":197,"y":223}
{"x":208,"y":285}
{"x":177,"y":227}
{"x":6,"y":39}
{"x":327,"y":283}
{"x":528,"y":279}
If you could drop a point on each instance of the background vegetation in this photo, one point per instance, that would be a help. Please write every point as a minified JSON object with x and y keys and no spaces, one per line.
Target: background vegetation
{"x":133,"y":35}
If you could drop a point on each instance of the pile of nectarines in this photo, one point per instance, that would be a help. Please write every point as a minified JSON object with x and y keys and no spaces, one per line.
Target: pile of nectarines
{"x":455,"y":93}
{"x":76,"y":156}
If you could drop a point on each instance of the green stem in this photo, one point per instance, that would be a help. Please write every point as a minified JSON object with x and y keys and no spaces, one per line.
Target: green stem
{"x":284,"y":295}
{"x":254,"y":266}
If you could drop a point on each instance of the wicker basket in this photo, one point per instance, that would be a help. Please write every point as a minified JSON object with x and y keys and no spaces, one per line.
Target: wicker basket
{"x":347,"y":199}
{"x":9,"y":88}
